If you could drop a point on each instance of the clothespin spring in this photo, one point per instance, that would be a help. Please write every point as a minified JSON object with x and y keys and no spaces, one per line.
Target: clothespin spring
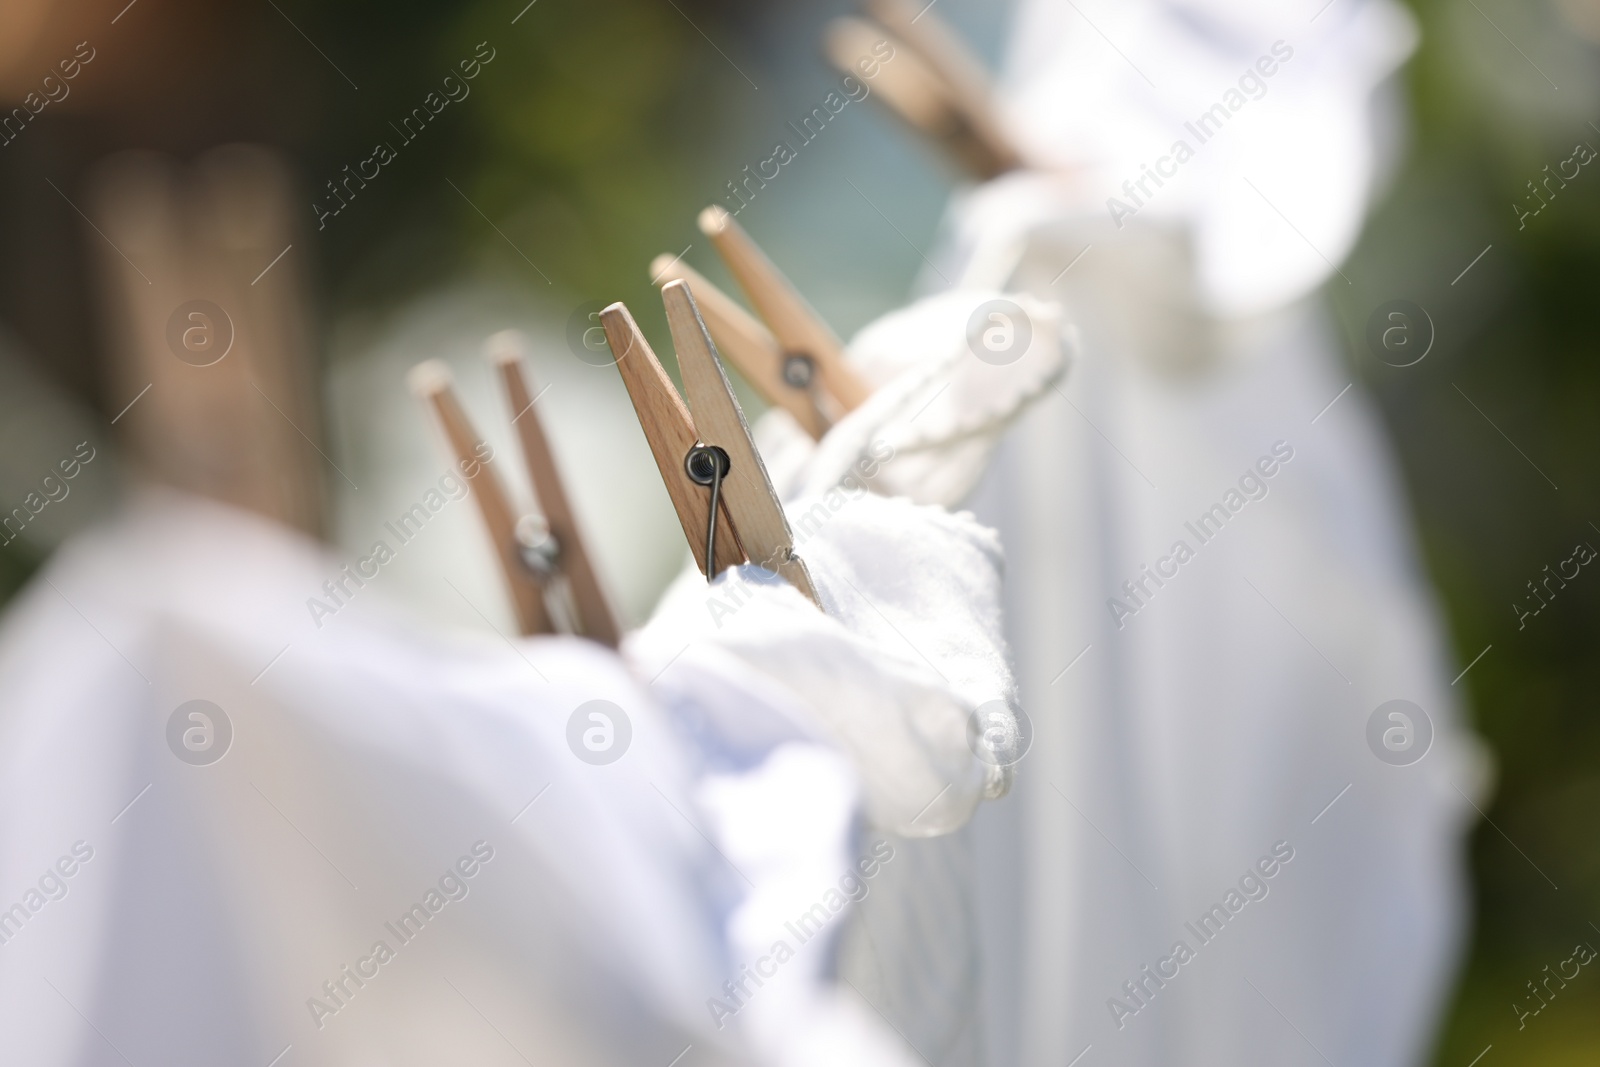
{"x":539,"y":551}
{"x":538,"y":548}
{"x":800,"y":372}
{"x":708,"y":465}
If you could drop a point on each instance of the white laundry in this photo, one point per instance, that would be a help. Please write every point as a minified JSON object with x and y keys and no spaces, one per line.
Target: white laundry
{"x":380,"y":786}
{"x":1174,"y":747}
{"x":937,"y":409}
{"x":919,"y":597}
{"x":1301,"y":126}
{"x":916,"y":590}
{"x":1188,"y":724}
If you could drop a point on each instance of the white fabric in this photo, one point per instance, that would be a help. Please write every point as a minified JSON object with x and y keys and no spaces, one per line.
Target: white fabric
{"x":367,"y":758}
{"x":1183,"y":736}
{"x":1105,"y":88}
{"x":936,"y":414}
{"x":917,"y":591}
{"x":919,"y":597}
{"x":937,"y":410}
{"x":1173,"y":752}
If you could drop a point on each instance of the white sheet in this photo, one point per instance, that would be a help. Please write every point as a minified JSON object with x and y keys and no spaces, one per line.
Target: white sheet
{"x":1186,"y":729}
{"x":914,"y":946}
{"x":606,"y":905}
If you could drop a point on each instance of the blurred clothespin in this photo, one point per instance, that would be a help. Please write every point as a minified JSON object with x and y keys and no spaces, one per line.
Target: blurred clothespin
{"x":539,"y":558}
{"x":713,"y":474}
{"x":210,"y":345}
{"x":932,"y":81}
{"x":798,"y":364}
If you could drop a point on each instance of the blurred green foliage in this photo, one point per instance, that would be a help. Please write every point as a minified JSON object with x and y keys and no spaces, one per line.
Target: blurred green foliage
{"x":578,"y":156}
{"x":580,"y":152}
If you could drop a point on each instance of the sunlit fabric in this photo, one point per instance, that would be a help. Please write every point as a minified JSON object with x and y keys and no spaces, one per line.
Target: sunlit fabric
{"x":1262,"y":127}
{"x":1213,"y":585}
{"x":400,"y":848}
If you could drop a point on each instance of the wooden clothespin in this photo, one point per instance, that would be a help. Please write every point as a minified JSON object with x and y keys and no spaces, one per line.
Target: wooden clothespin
{"x":708,"y":462}
{"x":933,"y":82}
{"x":536,"y":558}
{"x":799,"y":363}
{"x":799,"y":330}
{"x":749,"y":345}
{"x":210,"y":347}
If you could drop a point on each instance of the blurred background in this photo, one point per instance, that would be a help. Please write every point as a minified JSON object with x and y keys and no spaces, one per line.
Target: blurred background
{"x":586,"y":146}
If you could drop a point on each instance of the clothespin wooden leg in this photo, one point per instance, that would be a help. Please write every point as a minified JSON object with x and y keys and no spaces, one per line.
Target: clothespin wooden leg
{"x":967,"y":81}
{"x":931,"y":83}
{"x":757,"y":513}
{"x":798,"y":329}
{"x":595,"y":619}
{"x":749,"y":345}
{"x":671,"y":435}
{"x":431,"y":381}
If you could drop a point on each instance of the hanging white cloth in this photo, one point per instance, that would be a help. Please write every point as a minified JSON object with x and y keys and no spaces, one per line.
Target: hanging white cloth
{"x":950,"y":373}
{"x":925,"y":611}
{"x":938,"y":408}
{"x":407,"y":848}
{"x":1261,"y":128}
{"x":1201,"y":713}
